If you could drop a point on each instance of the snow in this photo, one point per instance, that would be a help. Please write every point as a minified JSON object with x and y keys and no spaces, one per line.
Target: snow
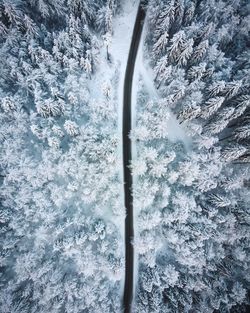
{"x":142,"y":69}
{"x":123,"y":25}
{"x":123,"y":29}
{"x":119,"y":50}
{"x":108,"y":71}
{"x":175,"y":131}
{"x":112,"y":73}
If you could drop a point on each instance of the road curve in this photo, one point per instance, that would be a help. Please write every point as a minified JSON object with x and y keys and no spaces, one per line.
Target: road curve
{"x":127,"y":157}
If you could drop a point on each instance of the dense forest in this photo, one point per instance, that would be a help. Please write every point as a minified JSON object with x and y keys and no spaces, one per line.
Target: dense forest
{"x":58,"y":152}
{"x":193,"y":202}
{"x":61,"y":191}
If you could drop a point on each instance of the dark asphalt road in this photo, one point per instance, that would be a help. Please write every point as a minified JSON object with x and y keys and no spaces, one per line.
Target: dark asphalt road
{"x":127,"y":156}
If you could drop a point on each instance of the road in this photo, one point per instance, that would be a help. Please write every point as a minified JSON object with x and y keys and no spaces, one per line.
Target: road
{"x":127,"y":157}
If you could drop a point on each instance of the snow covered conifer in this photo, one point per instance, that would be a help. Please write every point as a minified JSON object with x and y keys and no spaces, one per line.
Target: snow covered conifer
{"x":71,"y":128}
{"x":232,"y":153}
{"x":211,"y":106}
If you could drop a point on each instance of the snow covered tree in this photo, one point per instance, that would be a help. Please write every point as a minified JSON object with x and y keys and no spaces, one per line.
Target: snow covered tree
{"x":202,"y":74}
